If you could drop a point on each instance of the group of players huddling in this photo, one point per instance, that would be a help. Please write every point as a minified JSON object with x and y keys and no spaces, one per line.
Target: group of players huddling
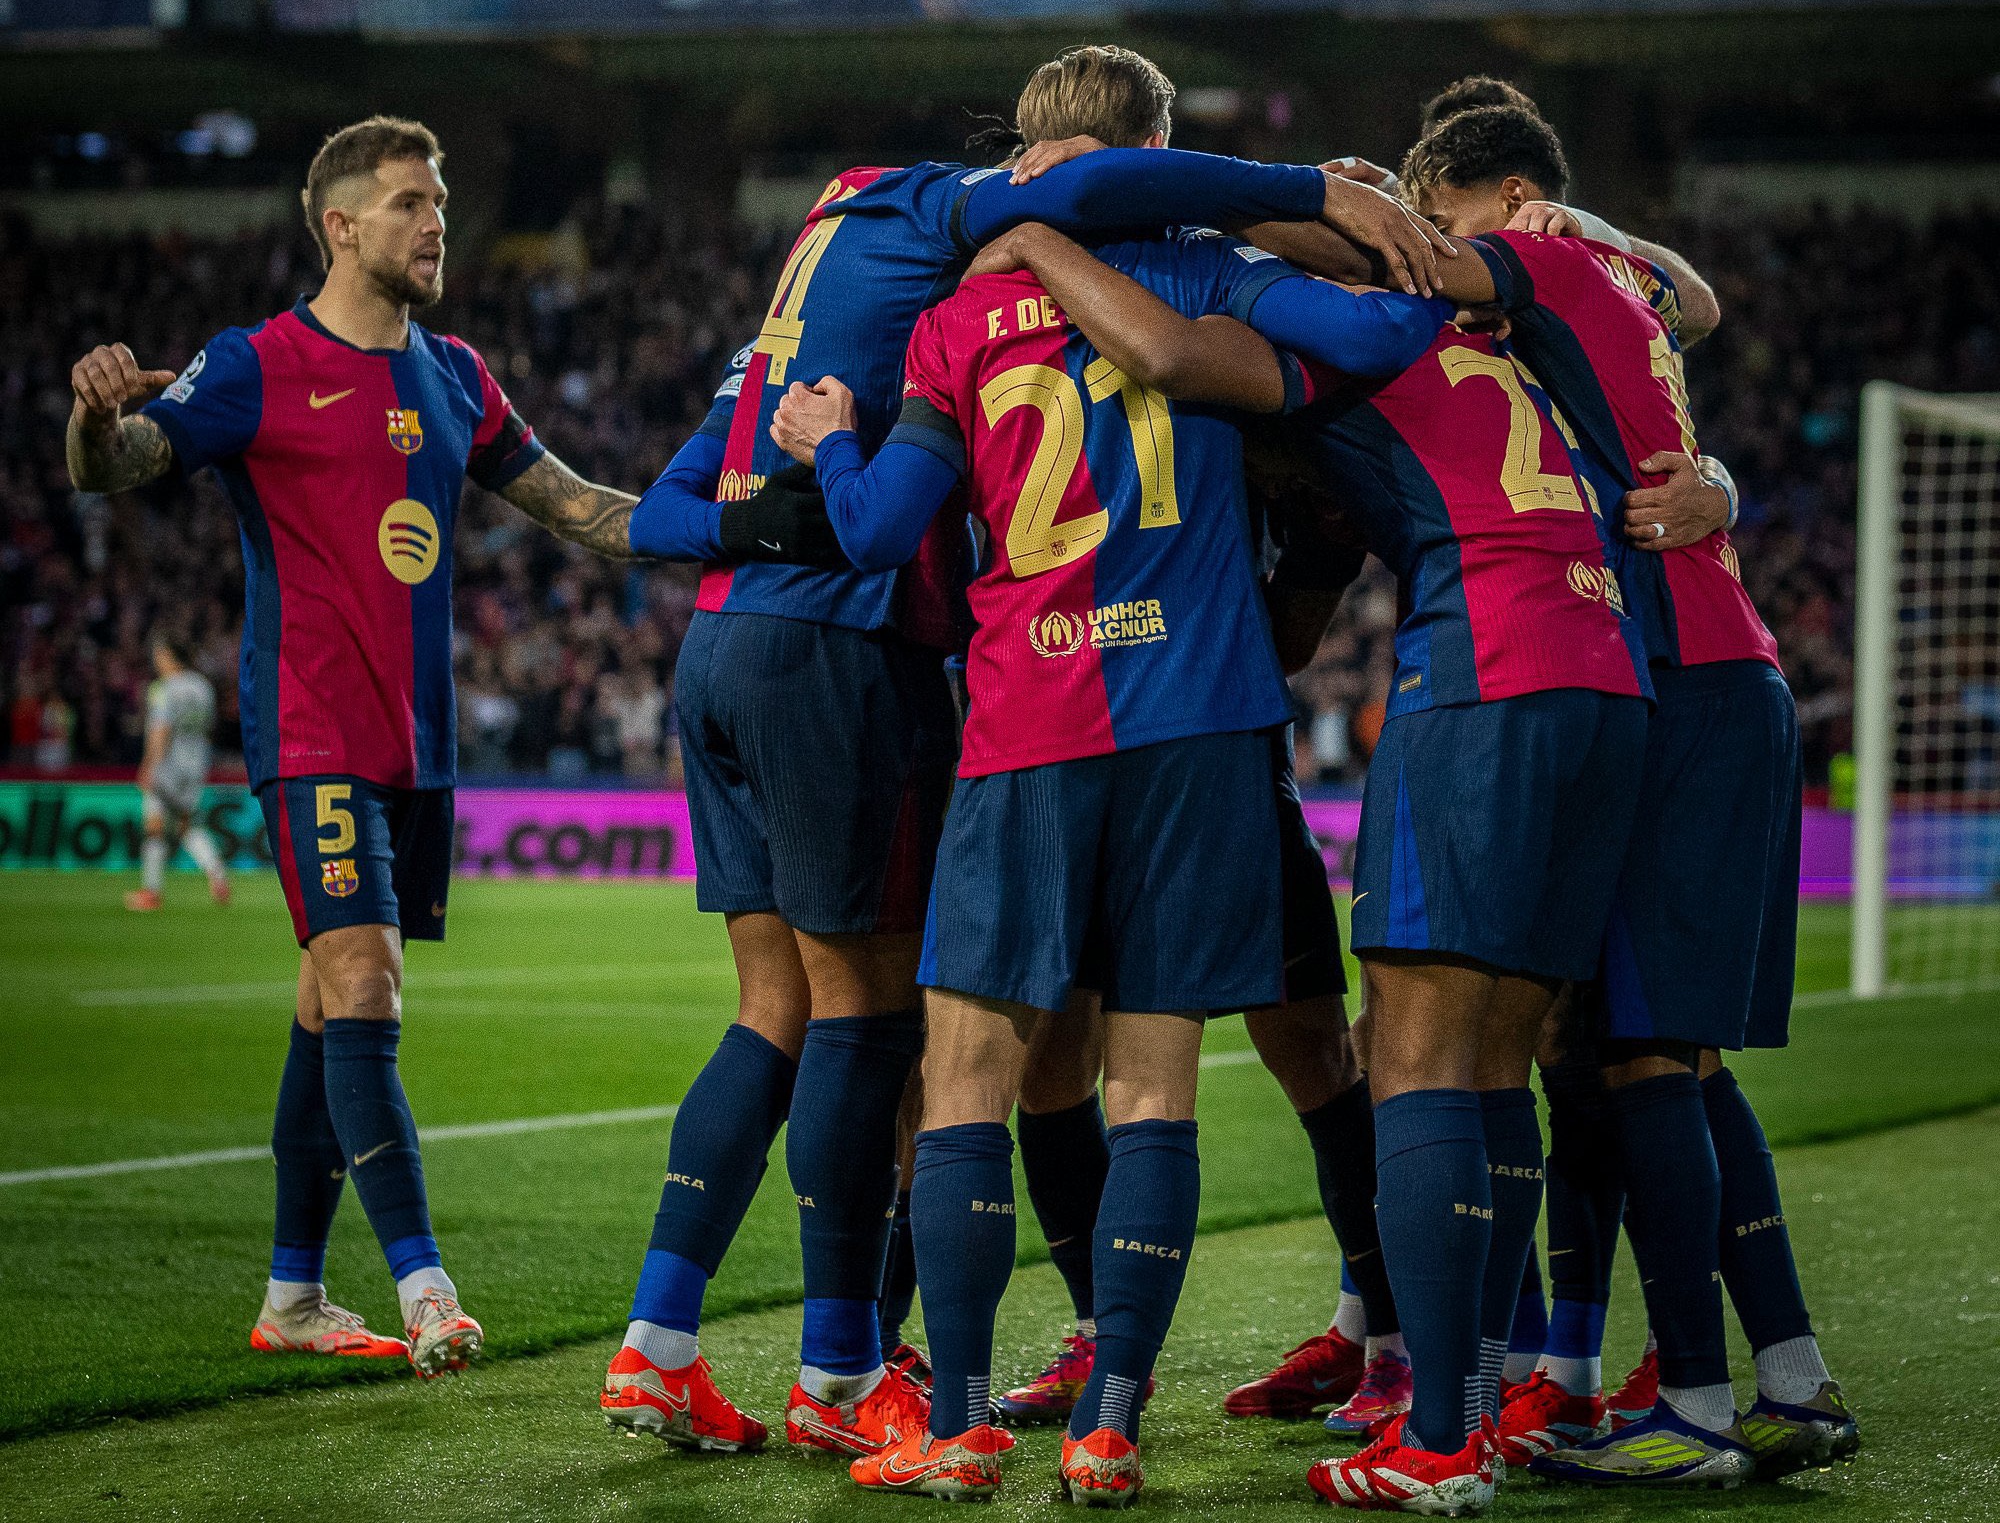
{"x":983,"y":720}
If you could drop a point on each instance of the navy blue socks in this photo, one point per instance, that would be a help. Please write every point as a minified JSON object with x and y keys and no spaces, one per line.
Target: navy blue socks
{"x":1529,"y":1335}
{"x":1514,"y":1164}
{"x":1435,"y":1212}
{"x":1674,"y":1202}
{"x":1064,"y":1155}
{"x":962,"y":1224}
{"x":1342,"y":1133}
{"x":1586,"y":1202}
{"x":1756,"y":1249}
{"x":371,"y":1117}
{"x":716,"y":1158}
{"x":311,"y":1167}
{"x":840,"y":1150}
{"x":1144,"y":1236}
{"x":899,"y":1278}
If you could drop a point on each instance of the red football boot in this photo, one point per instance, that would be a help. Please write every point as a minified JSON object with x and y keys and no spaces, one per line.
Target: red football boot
{"x":1320,"y":1373}
{"x":680,"y":1406}
{"x":895,"y":1410}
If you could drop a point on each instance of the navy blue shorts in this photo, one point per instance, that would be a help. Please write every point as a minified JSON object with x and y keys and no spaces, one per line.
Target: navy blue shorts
{"x":1495,"y":831}
{"x":1162,"y":861}
{"x":1313,"y":966}
{"x":818,"y":763}
{"x":1703,"y":940}
{"x":352,"y":852}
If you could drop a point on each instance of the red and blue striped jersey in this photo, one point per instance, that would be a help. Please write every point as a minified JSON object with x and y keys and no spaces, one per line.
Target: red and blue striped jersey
{"x":1599,"y":325}
{"x":1460,"y":478}
{"x":1118,"y":603}
{"x":345,"y":466}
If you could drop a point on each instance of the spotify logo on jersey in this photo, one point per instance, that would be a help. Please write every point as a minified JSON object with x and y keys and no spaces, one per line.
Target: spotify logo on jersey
{"x":409,"y":540}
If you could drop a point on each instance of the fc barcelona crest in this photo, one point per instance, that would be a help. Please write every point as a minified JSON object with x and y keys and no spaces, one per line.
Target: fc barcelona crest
{"x":338,"y":877}
{"x":405,"y":432}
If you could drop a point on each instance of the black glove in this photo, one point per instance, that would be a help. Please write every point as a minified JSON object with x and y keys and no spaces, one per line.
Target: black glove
{"x":783,"y":520}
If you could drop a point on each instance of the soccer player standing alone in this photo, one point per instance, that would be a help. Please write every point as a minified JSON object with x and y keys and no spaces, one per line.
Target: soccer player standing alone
{"x":180,"y":718}
{"x":342,"y":432}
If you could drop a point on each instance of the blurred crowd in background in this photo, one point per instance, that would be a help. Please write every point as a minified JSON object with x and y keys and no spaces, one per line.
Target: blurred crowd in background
{"x":610,"y":344}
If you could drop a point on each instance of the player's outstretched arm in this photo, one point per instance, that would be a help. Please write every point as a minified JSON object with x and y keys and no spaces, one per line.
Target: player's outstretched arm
{"x":596,"y":517}
{"x":1319,"y":250}
{"x":108,"y":451}
{"x":879,"y":509}
{"x":1114,"y":189}
{"x":1209,"y":359}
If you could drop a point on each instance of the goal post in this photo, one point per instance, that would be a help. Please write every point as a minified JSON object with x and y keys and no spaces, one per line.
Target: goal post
{"x":1926,"y":856}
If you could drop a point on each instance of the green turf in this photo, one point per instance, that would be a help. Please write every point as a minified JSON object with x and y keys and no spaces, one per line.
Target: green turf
{"x":1902,"y":1278}
{"x":132,"y":1294}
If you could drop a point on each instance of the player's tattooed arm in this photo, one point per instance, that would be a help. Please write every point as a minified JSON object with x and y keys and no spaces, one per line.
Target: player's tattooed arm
{"x":109,"y":452}
{"x":1208,"y":359}
{"x":596,"y":517}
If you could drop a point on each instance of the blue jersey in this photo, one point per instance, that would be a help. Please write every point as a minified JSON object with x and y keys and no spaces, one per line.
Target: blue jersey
{"x":881,"y":246}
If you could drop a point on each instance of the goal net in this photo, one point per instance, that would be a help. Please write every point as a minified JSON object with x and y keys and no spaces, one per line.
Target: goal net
{"x":1927,"y":694}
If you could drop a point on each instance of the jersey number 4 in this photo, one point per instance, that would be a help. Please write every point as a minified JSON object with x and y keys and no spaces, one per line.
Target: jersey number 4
{"x":1035,"y":541}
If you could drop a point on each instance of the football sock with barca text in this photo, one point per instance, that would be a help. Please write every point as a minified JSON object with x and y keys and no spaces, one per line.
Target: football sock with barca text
{"x":962,"y":1224}
{"x":716,"y":1158}
{"x":1514,"y":1166}
{"x":1145,"y":1233}
{"x":1435,"y":1208}
{"x":840,"y":1150}
{"x":1756,"y":1249}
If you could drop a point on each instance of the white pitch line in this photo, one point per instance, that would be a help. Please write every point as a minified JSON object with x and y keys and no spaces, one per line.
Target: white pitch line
{"x":1228,"y":1059}
{"x":444,"y":978}
{"x":1954,"y":990}
{"x":512,"y":1128}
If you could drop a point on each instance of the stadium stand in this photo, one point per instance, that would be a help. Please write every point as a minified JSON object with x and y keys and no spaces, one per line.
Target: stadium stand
{"x":610,"y":349}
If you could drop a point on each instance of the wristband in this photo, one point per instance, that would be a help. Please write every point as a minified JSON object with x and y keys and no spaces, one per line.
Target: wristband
{"x":1596,"y":227}
{"x":1716,"y":474}
{"x":1391,"y":186}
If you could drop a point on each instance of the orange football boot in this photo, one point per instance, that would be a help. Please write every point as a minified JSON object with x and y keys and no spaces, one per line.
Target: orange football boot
{"x":962,"y":1469}
{"x":320,"y":1327}
{"x":679,"y":1406}
{"x":895,"y":1410}
{"x":1101,"y":1469}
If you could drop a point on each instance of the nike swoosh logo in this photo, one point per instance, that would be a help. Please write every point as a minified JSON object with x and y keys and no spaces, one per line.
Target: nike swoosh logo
{"x":315,"y":401}
{"x":774,"y":549}
{"x":361,"y":1158}
{"x":1554,"y":1251}
{"x":1359,"y":897}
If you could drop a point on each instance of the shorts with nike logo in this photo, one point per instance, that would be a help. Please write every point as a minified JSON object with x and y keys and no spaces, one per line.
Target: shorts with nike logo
{"x":352,"y":852}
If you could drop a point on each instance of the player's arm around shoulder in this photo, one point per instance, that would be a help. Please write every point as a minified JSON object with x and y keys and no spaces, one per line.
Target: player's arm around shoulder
{"x":599,"y":518}
{"x":109,"y":451}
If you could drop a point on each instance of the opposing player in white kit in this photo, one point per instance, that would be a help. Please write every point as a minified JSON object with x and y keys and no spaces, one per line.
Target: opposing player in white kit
{"x":180,"y":726}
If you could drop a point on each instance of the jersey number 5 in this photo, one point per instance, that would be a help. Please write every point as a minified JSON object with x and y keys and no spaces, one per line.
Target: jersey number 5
{"x":1035,"y":541}
{"x":327,"y":799}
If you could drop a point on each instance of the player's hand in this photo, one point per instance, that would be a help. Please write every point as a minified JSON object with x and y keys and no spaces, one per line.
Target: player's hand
{"x":1683,"y":510}
{"x":1410,"y":247}
{"x":1549,"y":218}
{"x":807,"y":414}
{"x":783,"y":520}
{"x":1348,"y":167}
{"x":1011,"y":251}
{"x":107,"y":378}
{"x":1039,"y":158}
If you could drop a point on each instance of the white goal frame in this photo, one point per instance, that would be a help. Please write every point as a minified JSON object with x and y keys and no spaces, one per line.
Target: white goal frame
{"x":1886,"y":410}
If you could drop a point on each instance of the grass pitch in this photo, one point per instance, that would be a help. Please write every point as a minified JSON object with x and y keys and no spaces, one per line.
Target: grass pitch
{"x":130,"y":1294}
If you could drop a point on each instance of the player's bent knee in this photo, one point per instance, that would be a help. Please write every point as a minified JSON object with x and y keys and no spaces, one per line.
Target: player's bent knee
{"x":360,"y":972}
